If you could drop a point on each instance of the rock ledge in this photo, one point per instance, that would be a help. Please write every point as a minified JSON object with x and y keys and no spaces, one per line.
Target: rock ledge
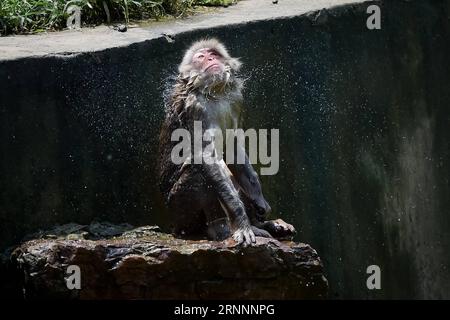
{"x":144,"y":263}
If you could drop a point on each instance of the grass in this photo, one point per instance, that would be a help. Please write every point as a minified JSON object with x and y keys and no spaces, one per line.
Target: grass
{"x":31,"y":16}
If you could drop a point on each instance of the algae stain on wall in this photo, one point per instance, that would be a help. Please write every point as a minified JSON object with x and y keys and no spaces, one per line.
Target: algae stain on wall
{"x":411,"y":213}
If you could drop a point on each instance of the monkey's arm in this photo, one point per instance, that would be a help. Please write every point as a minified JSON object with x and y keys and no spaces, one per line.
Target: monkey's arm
{"x":218,"y":175}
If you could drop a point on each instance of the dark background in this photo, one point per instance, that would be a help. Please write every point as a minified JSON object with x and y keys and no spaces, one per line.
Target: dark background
{"x":364,"y":138}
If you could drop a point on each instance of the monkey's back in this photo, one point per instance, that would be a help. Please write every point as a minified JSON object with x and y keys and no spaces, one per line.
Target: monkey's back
{"x":168,"y":170}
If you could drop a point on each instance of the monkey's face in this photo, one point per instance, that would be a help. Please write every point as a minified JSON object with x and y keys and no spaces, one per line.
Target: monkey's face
{"x":208,"y":61}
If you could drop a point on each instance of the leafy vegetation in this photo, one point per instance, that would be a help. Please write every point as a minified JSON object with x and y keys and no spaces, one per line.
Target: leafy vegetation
{"x":29,"y":16}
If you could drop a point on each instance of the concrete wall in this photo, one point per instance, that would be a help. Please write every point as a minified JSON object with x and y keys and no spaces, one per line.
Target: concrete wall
{"x":363,"y":118}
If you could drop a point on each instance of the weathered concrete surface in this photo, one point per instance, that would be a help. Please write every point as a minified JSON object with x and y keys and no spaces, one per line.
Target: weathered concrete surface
{"x":145,"y":264}
{"x":363,"y":118}
{"x":100,"y":38}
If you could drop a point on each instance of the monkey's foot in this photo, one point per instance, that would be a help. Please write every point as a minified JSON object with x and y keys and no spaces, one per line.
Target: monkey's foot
{"x":261,"y":232}
{"x":279,"y":229}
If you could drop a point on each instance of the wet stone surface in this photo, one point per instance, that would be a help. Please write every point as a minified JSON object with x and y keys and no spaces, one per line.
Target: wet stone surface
{"x":143,"y":263}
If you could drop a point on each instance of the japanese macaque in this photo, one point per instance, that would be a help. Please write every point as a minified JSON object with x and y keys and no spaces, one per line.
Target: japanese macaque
{"x":213,"y":199}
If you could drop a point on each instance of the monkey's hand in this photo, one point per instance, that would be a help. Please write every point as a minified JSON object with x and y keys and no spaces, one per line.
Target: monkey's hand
{"x":243,"y":233}
{"x":244,"y":236}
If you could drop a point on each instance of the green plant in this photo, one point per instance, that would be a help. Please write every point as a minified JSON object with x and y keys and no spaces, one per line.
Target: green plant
{"x":29,"y":16}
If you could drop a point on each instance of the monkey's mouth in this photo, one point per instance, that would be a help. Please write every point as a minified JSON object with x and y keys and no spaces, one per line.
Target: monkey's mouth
{"x":214,"y":65}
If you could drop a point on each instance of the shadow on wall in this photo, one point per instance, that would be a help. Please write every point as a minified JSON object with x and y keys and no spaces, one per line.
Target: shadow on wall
{"x":363,"y":118}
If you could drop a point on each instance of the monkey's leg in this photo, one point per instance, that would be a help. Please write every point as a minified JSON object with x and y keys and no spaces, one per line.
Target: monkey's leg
{"x":216,"y":220}
{"x":186,"y":203}
{"x":256,"y":206}
{"x":189,"y":222}
{"x":266,"y":228}
{"x":255,"y":218}
{"x":249,"y":183}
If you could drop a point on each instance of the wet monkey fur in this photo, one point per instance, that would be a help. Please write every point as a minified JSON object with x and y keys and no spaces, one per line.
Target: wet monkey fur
{"x":212,"y":199}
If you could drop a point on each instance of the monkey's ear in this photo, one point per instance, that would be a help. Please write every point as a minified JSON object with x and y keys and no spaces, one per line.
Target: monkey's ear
{"x":234,"y":64}
{"x":184,"y":69}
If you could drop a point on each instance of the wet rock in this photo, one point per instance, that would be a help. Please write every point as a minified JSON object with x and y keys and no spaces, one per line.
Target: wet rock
{"x":74,"y":231}
{"x":144,"y":263}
